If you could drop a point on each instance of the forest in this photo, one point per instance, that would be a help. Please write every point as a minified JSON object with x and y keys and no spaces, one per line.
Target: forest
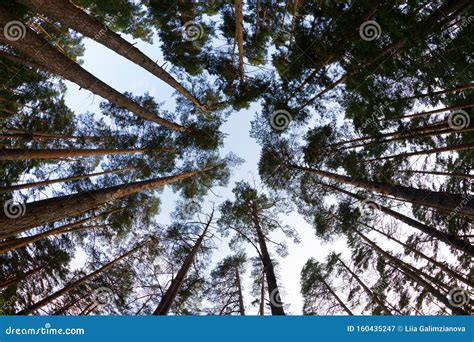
{"x":230,"y":157}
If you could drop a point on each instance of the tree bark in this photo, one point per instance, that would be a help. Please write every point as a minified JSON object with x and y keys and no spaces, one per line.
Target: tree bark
{"x":239,"y":32}
{"x":436,"y":19}
{"x":168,"y":298}
{"x":52,"y":60}
{"x":57,"y":208}
{"x":74,"y":17}
{"x":366,"y":288}
{"x":21,"y":133}
{"x":272,"y":286}
{"x":339,"y":300}
{"x":24,"y":154}
{"x":462,"y":245}
{"x":441,"y":266}
{"x":45,"y":301}
{"x":438,"y":173}
{"x":239,"y":289}
{"x":463,"y":147}
{"x":408,"y":271}
{"x":58,"y":180}
{"x":435,"y":199}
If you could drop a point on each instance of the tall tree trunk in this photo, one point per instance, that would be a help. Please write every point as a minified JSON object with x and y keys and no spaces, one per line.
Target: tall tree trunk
{"x":435,"y":199}
{"x":366,"y":288}
{"x":74,"y":17}
{"x":58,"y":180}
{"x":16,"y":279}
{"x":463,"y":147}
{"x":334,"y":294}
{"x":261,"y":310}
{"x":24,"y":154}
{"x":435,"y":20}
{"x":431,"y":112}
{"x":439,"y":92}
{"x":45,"y":301}
{"x":52,"y":60}
{"x":168,"y":298}
{"x":239,"y":32}
{"x":25,"y":134}
{"x":452,"y":240}
{"x":439,"y":173}
{"x":408,"y":271}
{"x":437,"y":126}
{"x":412,"y":136}
{"x":441,"y":266}
{"x":273,"y":292}
{"x":57,"y":208}
{"x":239,"y":289}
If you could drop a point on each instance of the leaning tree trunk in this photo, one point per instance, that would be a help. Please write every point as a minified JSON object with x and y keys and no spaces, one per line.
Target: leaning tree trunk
{"x":74,"y":17}
{"x":29,"y":154}
{"x":452,"y":240}
{"x":439,"y":92}
{"x":414,"y":275}
{"x":16,"y":279}
{"x":32,"y":135}
{"x":435,"y":199}
{"x":436,"y":19}
{"x":49,"y":210}
{"x":439,"y":173}
{"x":168,"y":298}
{"x":52,"y":60}
{"x":431,"y":112}
{"x":334,"y":294}
{"x":463,"y":147}
{"x":45,"y":301}
{"x":58,"y":180}
{"x":441,"y":266}
{"x":366,"y":288}
{"x":276,"y":305}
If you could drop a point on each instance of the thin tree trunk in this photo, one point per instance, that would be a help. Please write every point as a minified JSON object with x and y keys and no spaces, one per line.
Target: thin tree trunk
{"x":58,"y":180}
{"x":24,"y":154}
{"x":412,"y":136}
{"x":52,"y":60}
{"x":435,"y":199}
{"x":21,"y":133}
{"x":462,"y":245}
{"x":241,"y":296}
{"x":438,"y":173}
{"x":47,"y":300}
{"x":431,"y":112}
{"x":239,"y":31}
{"x":408,"y":271}
{"x":261,"y":310}
{"x":296,"y":4}
{"x":272,"y":286}
{"x":14,"y":280}
{"x":463,"y":147}
{"x":74,"y":17}
{"x":334,"y":294}
{"x":444,"y":91}
{"x":366,"y":288}
{"x":441,"y":266}
{"x":168,"y":298}
{"x":57,"y":208}
{"x":436,"y":19}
